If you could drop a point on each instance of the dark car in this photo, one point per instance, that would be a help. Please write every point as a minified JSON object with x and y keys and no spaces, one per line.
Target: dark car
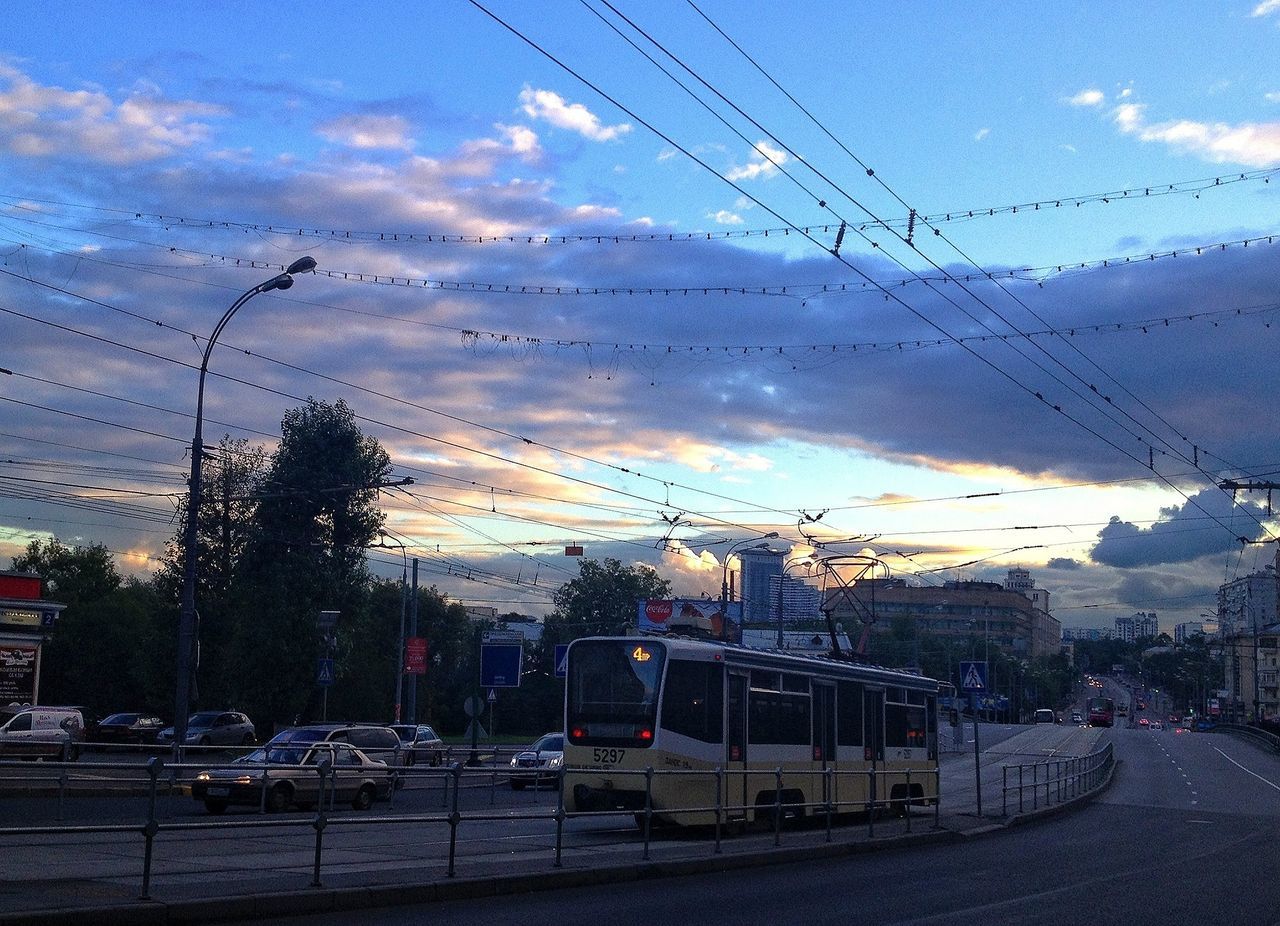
{"x":214,"y":728}
{"x":377,"y":741}
{"x":538,"y":764}
{"x":420,"y":743}
{"x":127,"y":728}
{"x":279,"y":777}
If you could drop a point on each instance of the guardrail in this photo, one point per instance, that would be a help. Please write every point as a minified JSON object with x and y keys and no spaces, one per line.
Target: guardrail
{"x":1253,"y":734}
{"x":455,"y":779}
{"x":1059,"y":779}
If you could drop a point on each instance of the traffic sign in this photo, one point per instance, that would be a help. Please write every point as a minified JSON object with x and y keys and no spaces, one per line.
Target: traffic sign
{"x":562,"y":660}
{"x":973,"y":676}
{"x":501,"y":636}
{"x":500,"y":665}
{"x":324,"y":672}
{"x":493,"y":696}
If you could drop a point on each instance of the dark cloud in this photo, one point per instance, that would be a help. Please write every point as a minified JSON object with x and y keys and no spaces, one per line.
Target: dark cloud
{"x":1208,"y":523}
{"x":1065,"y":564}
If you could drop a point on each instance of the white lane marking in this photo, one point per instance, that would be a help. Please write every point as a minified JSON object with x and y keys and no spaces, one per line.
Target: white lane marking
{"x":1243,"y":769}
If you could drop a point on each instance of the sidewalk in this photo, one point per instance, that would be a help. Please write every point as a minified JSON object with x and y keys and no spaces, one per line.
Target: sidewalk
{"x":98,"y":882}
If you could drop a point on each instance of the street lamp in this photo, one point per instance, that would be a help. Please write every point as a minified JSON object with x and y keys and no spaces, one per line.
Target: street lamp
{"x":187,"y":623}
{"x":724,"y":578}
{"x":404,"y":607}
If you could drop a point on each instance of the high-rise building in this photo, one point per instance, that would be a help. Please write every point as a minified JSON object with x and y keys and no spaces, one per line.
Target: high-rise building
{"x":1248,"y":602}
{"x":799,"y":600}
{"x":759,"y":569}
{"x":1140,"y":626}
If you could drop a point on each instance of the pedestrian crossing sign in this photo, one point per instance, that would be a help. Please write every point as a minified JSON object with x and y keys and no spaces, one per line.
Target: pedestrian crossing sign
{"x":973,"y":676}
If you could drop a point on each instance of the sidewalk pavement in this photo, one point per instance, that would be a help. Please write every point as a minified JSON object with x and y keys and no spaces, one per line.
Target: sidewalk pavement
{"x":95,"y":891}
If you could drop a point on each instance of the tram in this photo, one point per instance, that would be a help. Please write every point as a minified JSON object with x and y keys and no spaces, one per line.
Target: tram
{"x":788,"y":732}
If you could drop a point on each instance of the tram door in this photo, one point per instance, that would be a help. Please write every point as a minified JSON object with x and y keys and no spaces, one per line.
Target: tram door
{"x":824,"y":736}
{"x":873,"y":732}
{"x":735,"y":741}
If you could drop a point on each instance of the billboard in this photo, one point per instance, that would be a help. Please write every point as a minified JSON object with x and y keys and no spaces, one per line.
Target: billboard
{"x":694,"y":617}
{"x":18,"y":665}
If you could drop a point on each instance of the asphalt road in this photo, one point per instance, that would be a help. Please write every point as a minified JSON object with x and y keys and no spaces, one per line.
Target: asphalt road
{"x":1186,"y":835}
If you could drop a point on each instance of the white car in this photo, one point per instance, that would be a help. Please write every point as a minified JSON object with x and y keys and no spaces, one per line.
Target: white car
{"x":540,"y":763}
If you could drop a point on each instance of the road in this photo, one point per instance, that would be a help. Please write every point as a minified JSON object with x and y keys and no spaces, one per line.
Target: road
{"x":1185,"y":835}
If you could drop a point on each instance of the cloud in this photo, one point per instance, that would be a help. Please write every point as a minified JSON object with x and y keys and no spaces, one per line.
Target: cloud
{"x":981,"y":134}
{"x":1180,"y":534}
{"x":725,"y":217}
{"x":38,"y":121}
{"x":1255,"y":144}
{"x":1089,"y":97}
{"x":368,"y":132}
{"x":1266,"y":8}
{"x":551,"y":107}
{"x":765,"y":160}
{"x":1064,"y":563}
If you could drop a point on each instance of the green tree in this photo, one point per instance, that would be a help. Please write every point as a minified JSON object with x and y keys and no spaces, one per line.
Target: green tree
{"x":316,"y":513}
{"x":602,"y":599}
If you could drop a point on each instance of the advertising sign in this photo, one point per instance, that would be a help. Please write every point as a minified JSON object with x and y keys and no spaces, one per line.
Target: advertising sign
{"x":415,"y":655}
{"x":17,"y":674}
{"x":694,"y":617}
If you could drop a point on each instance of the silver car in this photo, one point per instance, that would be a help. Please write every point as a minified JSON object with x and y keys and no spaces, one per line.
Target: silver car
{"x":278,"y":777}
{"x":214,"y":728}
{"x":538,"y":764}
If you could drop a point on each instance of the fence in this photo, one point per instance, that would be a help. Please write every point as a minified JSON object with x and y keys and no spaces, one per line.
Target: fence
{"x":1059,"y":779}
{"x":456,"y":779}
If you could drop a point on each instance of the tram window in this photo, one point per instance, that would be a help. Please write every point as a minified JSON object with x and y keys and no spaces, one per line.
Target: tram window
{"x":778,"y":718}
{"x":693,"y":700}
{"x":904,"y":726}
{"x":916,"y":697}
{"x":798,"y":683}
{"x":849,"y":713}
{"x":765,"y":681}
{"x":895,"y":695}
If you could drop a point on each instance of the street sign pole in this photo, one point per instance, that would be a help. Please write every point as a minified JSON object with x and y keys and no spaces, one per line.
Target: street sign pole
{"x":977,"y":761}
{"x":973,"y":679}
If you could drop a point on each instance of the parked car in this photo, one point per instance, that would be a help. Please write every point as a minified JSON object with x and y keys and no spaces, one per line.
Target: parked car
{"x":539,"y":763}
{"x":419,"y":743}
{"x":214,"y":728}
{"x":279,"y":777}
{"x":126,"y":728}
{"x":41,"y":733}
{"x":377,"y":741}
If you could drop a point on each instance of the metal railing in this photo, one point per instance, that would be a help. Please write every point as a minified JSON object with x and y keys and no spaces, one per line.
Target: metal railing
{"x":1260,"y":737}
{"x":1055,"y":780}
{"x":913,"y":788}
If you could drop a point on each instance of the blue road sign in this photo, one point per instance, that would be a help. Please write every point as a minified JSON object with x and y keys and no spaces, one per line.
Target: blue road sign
{"x":500,"y":665}
{"x":562,"y":660}
{"x":324,"y":672}
{"x":973,"y":676}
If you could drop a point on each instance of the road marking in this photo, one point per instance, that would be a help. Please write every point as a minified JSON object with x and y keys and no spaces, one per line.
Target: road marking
{"x":1200,"y":821}
{"x":1243,"y":769}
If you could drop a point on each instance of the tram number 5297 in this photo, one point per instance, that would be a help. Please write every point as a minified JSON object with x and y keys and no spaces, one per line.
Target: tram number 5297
{"x":607,"y":756}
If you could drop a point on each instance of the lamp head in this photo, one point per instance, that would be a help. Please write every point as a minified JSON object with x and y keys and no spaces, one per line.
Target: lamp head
{"x":302,"y":265}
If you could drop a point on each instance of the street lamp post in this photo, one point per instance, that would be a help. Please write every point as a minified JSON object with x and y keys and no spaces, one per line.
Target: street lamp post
{"x":187,"y":623}
{"x":404,"y":608}
{"x":724,"y":579}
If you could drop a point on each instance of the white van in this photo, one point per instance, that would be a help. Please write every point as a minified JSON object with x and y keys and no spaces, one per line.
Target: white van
{"x":41,"y":733}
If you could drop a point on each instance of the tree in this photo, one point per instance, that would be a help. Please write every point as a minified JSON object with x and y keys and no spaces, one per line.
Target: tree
{"x":602,"y":599}
{"x":70,"y":575}
{"x":316,"y":513}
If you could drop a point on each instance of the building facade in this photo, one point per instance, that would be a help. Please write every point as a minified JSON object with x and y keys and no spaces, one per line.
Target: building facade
{"x":1088,"y":633}
{"x":1140,"y":626}
{"x":1248,"y":602}
{"x":759,"y":570}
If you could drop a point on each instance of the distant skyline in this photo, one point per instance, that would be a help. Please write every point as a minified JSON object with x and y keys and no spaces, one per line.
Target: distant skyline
{"x":964,"y":289}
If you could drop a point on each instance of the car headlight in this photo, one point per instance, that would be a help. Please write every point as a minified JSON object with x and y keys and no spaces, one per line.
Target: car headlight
{"x":203,"y":776}
{"x":514,"y":763}
{"x":555,"y":761}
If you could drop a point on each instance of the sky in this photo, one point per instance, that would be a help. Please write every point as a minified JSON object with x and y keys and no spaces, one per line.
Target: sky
{"x":958,"y":288}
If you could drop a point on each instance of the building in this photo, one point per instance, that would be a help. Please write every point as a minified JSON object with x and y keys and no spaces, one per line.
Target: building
{"x":1140,"y":626}
{"x":1251,"y":663}
{"x":1248,"y":602}
{"x":759,"y":570}
{"x":26,"y":620}
{"x":1006,"y":621}
{"x":799,"y":599}
{"x":1185,"y":631}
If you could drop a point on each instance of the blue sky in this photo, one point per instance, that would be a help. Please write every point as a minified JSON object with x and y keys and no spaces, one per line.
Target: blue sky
{"x":656,"y":374}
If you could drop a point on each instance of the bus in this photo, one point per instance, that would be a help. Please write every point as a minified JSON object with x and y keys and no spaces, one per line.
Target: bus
{"x":801,"y":731}
{"x":1102,"y":712}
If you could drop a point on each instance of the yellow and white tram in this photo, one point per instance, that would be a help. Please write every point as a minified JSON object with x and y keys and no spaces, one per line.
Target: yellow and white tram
{"x":798,"y":731}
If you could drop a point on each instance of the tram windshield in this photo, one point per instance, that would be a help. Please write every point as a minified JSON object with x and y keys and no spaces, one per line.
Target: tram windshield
{"x":613,"y":692}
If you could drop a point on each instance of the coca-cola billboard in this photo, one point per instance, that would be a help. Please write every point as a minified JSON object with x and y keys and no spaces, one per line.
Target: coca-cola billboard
{"x":693,"y":617}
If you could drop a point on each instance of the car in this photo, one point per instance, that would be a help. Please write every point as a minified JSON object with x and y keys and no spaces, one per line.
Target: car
{"x":1144,"y":722}
{"x":1157,"y":725}
{"x":125,"y":728}
{"x":41,"y":733}
{"x":214,"y":728}
{"x":276,"y":778}
{"x":1077,"y":717}
{"x":420,"y":743}
{"x":540,"y":763}
{"x":375,"y":740}
{"x":1044,"y":715}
